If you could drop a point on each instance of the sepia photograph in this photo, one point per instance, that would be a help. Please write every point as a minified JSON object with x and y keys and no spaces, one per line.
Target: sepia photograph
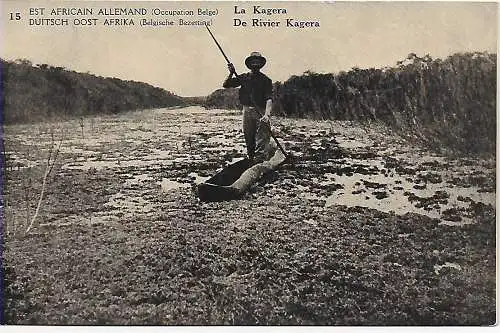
{"x":248,"y":163}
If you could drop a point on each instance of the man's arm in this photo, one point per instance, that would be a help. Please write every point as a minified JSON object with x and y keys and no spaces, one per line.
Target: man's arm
{"x":231,"y":82}
{"x":269,"y":107}
{"x":267,"y":113}
{"x":269,"y":102}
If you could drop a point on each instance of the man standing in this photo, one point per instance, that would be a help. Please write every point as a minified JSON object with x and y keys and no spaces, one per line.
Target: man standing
{"x":256,"y":97}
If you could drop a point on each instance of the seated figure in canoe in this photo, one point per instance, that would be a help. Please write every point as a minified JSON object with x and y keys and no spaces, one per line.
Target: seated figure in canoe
{"x":255,"y":95}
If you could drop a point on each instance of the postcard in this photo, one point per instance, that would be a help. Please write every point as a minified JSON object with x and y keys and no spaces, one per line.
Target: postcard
{"x":248,"y":163}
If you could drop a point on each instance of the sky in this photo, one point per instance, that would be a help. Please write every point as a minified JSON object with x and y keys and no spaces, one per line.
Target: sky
{"x":185,"y":60}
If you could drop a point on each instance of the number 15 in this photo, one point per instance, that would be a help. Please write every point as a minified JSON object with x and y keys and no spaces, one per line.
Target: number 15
{"x":15,"y":16}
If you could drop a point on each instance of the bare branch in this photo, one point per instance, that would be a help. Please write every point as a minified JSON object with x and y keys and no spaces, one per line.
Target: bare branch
{"x":51,"y":161}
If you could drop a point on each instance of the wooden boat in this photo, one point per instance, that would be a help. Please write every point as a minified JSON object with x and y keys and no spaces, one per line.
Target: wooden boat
{"x":234,"y":180}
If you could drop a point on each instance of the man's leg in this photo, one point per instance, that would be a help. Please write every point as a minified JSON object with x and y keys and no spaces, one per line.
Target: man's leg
{"x":249,"y":129}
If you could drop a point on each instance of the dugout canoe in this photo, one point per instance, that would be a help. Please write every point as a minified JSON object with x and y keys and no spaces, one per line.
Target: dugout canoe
{"x":235,"y":179}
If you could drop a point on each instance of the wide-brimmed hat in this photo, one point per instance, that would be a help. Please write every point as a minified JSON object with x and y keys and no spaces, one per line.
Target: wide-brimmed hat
{"x":253,"y":56}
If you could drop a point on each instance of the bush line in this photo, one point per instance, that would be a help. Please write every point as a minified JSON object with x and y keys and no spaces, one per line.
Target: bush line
{"x":446,"y":104}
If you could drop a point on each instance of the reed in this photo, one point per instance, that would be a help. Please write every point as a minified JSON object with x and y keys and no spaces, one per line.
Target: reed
{"x":447,"y":104}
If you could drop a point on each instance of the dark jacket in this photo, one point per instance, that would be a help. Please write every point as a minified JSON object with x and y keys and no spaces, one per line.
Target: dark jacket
{"x":256,"y":88}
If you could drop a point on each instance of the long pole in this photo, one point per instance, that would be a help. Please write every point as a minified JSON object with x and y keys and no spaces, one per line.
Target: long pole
{"x":227,"y":60}
{"x":218,"y":45}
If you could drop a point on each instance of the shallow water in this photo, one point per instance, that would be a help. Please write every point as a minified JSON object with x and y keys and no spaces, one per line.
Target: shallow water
{"x":166,"y":150}
{"x":386,"y":190}
{"x":169,"y":185}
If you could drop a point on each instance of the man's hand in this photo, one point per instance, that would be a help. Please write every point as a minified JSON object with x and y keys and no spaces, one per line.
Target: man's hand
{"x":265,"y":119}
{"x":230,"y":66}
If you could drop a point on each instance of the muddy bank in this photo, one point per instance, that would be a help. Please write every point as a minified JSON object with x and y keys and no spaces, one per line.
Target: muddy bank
{"x":364,"y":229}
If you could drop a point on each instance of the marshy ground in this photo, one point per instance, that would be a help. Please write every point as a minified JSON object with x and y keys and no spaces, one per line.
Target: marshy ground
{"x":364,"y":228}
